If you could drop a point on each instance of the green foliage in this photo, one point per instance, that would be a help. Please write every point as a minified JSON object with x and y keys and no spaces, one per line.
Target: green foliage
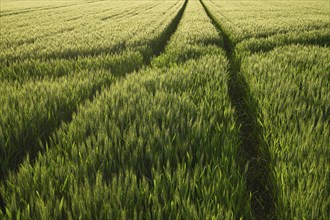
{"x":253,"y":45}
{"x":186,"y":44}
{"x":51,"y":90}
{"x":128,"y":27}
{"x":80,"y":138}
{"x":291,"y":86}
{"x":36,"y":69}
{"x":255,"y":19}
{"x":286,"y":87}
{"x":159,"y":143}
{"x":31,"y":111}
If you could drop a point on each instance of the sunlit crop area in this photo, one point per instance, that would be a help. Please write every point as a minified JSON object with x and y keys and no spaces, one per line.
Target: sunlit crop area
{"x":176,"y":109}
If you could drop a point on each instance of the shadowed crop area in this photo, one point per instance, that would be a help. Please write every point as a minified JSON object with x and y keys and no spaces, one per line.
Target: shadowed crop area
{"x":176,"y":109}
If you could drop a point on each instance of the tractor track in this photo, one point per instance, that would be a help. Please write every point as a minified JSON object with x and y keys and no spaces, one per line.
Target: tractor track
{"x":157,"y":49}
{"x":253,"y":151}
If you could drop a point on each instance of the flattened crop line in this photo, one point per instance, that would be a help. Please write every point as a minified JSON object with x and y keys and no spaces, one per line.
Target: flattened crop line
{"x":68,"y":54}
{"x":254,"y":152}
{"x":317,"y":37}
{"x":158,"y":47}
{"x":274,"y":33}
{"x":32,"y":40}
{"x":2,"y":204}
{"x":40,"y":9}
{"x":127,"y":12}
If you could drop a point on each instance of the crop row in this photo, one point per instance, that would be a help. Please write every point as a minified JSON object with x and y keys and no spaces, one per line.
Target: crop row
{"x":81,"y":38}
{"x":126,"y":58}
{"x":156,"y":144}
{"x":291,"y":87}
{"x":161,"y":143}
{"x":164,"y":142}
{"x":319,"y":37}
{"x":27,"y":70}
{"x":245,"y":19}
{"x":24,"y":107}
{"x":21,"y":28}
{"x":284,"y":76}
{"x":10,"y":7}
{"x":29,"y":112}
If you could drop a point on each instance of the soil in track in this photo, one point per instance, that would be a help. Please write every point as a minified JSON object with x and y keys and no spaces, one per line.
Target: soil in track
{"x":254,"y":154}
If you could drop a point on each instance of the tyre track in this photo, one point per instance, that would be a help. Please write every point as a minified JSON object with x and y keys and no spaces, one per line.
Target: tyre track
{"x":157,"y":48}
{"x":254,"y":155}
{"x":2,"y":204}
{"x":42,"y":9}
{"x":130,"y":11}
{"x":317,"y":37}
{"x":74,"y":54}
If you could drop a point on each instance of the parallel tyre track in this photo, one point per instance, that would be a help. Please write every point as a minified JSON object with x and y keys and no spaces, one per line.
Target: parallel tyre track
{"x":41,"y":9}
{"x":254,"y":156}
{"x":157,"y":48}
{"x":94,"y":52}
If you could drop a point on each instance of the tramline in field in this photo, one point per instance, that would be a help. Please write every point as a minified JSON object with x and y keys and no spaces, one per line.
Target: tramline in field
{"x":290,"y":84}
{"x":80,"y":38}
{"x":30,"y":110}
{"x":155,"y":121}
{"x":183,"y":109}
{"x":289,"y":92}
